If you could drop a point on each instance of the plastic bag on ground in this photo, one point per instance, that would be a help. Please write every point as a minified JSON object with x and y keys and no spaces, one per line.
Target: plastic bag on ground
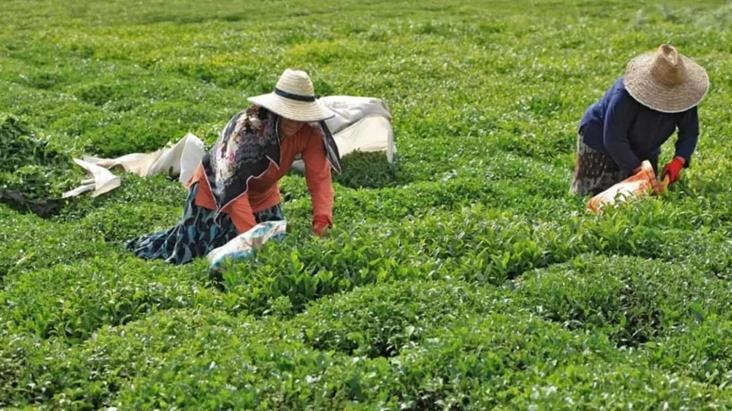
{"x":244,"y":245}
{"x":101,"y":181}
{"x":638,"y":185}
{"x":180,"y":161}
{"x":360,"y":124}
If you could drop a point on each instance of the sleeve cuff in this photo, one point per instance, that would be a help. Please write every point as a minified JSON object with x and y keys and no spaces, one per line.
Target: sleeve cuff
{"x":325,"y":219}
{"x":630,"y":170}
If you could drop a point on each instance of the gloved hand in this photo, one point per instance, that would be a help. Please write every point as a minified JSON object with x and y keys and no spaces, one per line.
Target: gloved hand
{"x":320,"y":225}
{"x":673,"y":169}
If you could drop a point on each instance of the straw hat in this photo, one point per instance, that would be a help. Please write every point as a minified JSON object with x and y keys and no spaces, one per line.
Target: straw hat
{"x":294,"y":98}
{"x":666,"y":81}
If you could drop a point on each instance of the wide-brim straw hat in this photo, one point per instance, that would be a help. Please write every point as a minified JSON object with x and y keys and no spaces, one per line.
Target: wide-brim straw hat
{"x":294,"y":98}
{"x":666,"y":81}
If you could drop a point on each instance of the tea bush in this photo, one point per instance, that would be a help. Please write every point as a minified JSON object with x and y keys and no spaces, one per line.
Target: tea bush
{"x":86,"y":375}
{"x":368,"y":170}
{"x":119,"y":223}
{"x":30,"y":242}
{"x":379,"y":321}
{"x":481,"y":361}
{"x":624,"y":386}
{"x":239,"y":362}
{"x":32,"y":172}
{"x":631,"y":299}
{"x":340,"y":263}
{"x":74,"y":300}
{"x":158,"y":191}
{"x":243,"y":370}
{"x":700,"y":350}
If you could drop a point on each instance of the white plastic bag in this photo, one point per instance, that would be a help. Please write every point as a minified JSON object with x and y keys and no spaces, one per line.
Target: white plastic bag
{"x":101,"y":181}
{"x":638,"y":185}
{"x":244,"y":245}
{"x":360,"y":124}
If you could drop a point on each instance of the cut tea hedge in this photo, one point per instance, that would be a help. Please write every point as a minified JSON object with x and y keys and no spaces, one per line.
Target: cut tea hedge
{"x":463,"y":276}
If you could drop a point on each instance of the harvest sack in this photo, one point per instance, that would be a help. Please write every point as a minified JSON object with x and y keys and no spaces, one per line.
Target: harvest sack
{"x":359,"y":124}
{"x":638,"y":185}
{"x":244,"y":245}
{"x":180,"y":161}
{"x":101,"y":181}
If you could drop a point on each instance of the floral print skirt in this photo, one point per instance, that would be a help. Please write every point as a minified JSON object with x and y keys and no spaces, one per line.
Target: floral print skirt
{"x":594,"y":171}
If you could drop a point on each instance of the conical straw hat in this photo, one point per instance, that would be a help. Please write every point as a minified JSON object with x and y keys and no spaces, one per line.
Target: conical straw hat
{"x":666,"y":81}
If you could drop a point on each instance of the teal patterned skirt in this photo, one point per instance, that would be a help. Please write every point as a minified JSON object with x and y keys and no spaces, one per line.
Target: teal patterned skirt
{"x":197,"y":233}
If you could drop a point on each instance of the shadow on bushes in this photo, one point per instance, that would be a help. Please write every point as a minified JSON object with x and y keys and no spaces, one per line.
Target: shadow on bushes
{"x":370,"y":170}
{"x":633,"y":300}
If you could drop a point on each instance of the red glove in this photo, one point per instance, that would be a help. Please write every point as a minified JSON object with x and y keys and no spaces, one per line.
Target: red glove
{"x":673,"y":169}
{"x":321,"y":225}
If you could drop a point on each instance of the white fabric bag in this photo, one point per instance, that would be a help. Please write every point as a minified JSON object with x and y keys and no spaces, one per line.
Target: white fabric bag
{"x":180,"y":161}
{"x":244,"y":245}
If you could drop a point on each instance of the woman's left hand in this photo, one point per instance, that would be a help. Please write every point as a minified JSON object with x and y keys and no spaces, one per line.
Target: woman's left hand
{"x":673,"y":169}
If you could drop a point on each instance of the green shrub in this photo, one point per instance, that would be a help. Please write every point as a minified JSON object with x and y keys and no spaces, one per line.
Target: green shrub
{"x":28,"y":242}
{"x":234,"y":369}
{"x":481,"y":362}
{"x":485,"y":245}
{"x":13,"y":367}
{"x":135,"y":193}
{"x":32,"y":173}
{"x":304,"y":269}
{"x":631,"y":299}
{"x":616,"y":387}
{"x":74,"y":300}
{"x":89,"y":374}
{"x":20,"y":146}
{"x":200,"y":359}
{"x":146,"y":128}
{"x":381,"y":320}
{"x":122,"y":222}
{"x":701,"y":351}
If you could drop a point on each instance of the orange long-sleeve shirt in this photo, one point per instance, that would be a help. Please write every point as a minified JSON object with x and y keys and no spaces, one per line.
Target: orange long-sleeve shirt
{"x":264,"y":192}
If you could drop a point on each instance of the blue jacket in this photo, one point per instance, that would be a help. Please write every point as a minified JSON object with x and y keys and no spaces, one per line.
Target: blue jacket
{"x":630,"y":132}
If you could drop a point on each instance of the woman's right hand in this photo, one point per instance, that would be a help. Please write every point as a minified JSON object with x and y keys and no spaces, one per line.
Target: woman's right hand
{"x":320,"y":226}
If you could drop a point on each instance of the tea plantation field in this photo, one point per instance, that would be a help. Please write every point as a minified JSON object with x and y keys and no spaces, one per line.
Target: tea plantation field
{"x":465,"y":277}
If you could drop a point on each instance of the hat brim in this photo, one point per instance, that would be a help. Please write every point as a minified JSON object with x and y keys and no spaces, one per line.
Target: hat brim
{"x":642,"y":86}
{"x":306,"y":111}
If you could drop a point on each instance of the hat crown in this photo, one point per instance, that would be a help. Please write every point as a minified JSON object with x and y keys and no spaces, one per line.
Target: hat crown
{"x":296,"y":82}
{"x":668,"y":67}
{"x":294,"y":98}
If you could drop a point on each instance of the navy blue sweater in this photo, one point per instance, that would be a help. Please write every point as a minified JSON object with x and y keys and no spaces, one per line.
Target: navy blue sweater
{"x":630,"y":132}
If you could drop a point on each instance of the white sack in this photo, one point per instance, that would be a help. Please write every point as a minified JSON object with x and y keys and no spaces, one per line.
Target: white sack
{"x":244,"y":245}
{"x":180,"y":161}
{"x":102,"y":180}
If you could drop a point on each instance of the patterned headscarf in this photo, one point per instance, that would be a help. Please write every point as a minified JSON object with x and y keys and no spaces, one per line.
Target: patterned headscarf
{"x":246,"y":146}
